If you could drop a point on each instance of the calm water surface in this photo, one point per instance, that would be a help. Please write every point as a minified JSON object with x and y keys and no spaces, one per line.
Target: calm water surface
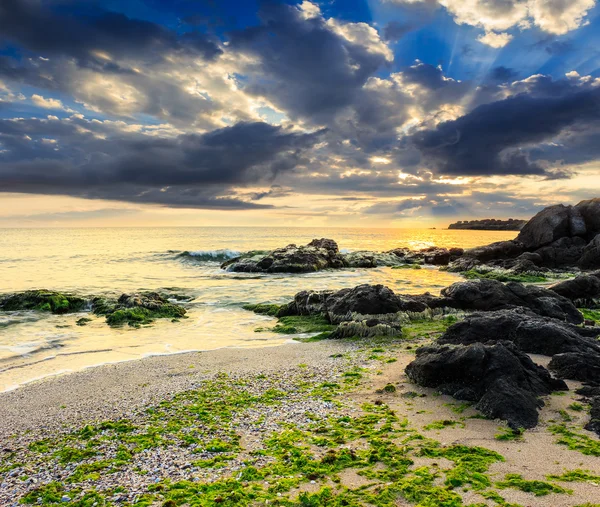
{"x":117,"y":260}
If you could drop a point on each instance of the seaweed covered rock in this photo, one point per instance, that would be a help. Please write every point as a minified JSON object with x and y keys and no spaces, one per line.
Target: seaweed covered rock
{"x":579,"y":365}
{"x":503,"y":382}
{"x":137,"y":309}
{"x":583,"y":290}
{"x":367,"y":259}
{"x":528,"y":331}
{"x":366,"y":328}
{"x":43,"y":300}
{"x":488,"y":295}
{"x":317,"y":255}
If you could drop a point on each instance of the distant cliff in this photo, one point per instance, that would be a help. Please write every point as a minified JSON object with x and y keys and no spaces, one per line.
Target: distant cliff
{"x":489,"y":224}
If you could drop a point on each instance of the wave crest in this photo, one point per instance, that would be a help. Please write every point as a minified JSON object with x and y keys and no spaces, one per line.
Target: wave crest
{"x":210,"y":255}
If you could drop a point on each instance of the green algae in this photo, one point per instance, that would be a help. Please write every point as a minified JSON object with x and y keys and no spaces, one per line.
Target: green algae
{"x":538,"y":488}
{"x":43,"y":300}
{"x":589,"y":314}
{"x":407,"y":266}
{"x":508,"y":434}
{"x":264,"y":309}
{"x":504,"y":277}
{"x":576,"y":441}
{"x":442,"y":424}
{"x":576,"y":475}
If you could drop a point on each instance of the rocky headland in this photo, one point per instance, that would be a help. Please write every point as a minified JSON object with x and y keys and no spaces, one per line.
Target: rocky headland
{"x":489,"y":224}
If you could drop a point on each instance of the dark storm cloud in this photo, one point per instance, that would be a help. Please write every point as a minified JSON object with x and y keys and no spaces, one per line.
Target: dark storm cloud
{"x":304,"y":66}
{"x":76,"y":157}
{"x":44,"y":28}
{"x":493,"y":139}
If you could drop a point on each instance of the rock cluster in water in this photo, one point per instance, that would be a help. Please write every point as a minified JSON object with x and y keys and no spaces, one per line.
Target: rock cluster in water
{"x":324,"y":253}
{"x":134,"y":309}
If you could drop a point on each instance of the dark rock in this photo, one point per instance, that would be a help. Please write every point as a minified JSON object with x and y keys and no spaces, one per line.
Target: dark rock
{"x":437,"y":256}
{"x":499,"y":250}
{"x":594,"y":423}
{"x":488,"y":295}
{"x":583,"y":290}
{"x":576,"y":366}
{"x":551,"y":224}
{"x":317,"y":255}
{"x":346,"y":304}
{"x":588,"y":391}
{"x":590,"y":211}
{"x":590,"y":257}
{"x":564,"y":252}
{"x":528,"y":331}
{"x":504,"y":382}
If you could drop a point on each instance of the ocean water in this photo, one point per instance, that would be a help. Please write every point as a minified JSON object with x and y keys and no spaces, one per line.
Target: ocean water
{"x":92,"y":261}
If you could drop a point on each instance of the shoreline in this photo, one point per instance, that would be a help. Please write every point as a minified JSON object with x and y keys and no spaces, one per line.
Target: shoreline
{"x":58,"y":408}
{"x":62,"y":373}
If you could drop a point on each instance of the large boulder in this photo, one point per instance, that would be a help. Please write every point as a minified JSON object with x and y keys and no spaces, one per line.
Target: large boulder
{"x":590,"y":257}
{"x":488,"y":295}
{"x":529,"y":332}
{"x":355,"y":303}
{"x":317,"y":255}
{"x":550,"y":224}
{"x":583,"y":290}
{"x":577,"y":366}
{"x":503,"y":382}
{"x":590,"y":211}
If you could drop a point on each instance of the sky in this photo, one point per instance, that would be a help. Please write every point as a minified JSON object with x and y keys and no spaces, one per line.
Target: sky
{"x":351,"y":113}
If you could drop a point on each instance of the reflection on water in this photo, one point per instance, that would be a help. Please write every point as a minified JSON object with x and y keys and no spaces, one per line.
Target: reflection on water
{"x":94,"y":261}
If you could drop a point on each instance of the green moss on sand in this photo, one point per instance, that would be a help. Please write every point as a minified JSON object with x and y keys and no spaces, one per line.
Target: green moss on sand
{"x":538,"y":488}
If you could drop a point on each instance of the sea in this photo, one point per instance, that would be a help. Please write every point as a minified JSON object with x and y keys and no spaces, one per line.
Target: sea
{"x":112,"y":261}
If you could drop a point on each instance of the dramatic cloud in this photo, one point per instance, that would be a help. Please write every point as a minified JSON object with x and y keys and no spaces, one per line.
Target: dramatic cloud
{"x":90,"y":34}
{"x":496,"y":138}
{"x":306,"y":65}
{"x":99,"y":160}
{"x":496,"y":16}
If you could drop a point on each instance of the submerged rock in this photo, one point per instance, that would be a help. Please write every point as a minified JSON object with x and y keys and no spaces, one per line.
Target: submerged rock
{"x":43,"y":300}
{"x":137,"y":309}
{"x":503,"y":382}
{"x":488,"y":295}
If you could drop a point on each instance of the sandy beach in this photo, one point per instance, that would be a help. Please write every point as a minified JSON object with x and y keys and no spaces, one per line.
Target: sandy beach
{"x":57,"y":408}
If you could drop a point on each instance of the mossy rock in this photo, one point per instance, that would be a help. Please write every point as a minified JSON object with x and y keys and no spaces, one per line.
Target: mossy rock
{"x":137,"y":309}
{"x":43,"y":300}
